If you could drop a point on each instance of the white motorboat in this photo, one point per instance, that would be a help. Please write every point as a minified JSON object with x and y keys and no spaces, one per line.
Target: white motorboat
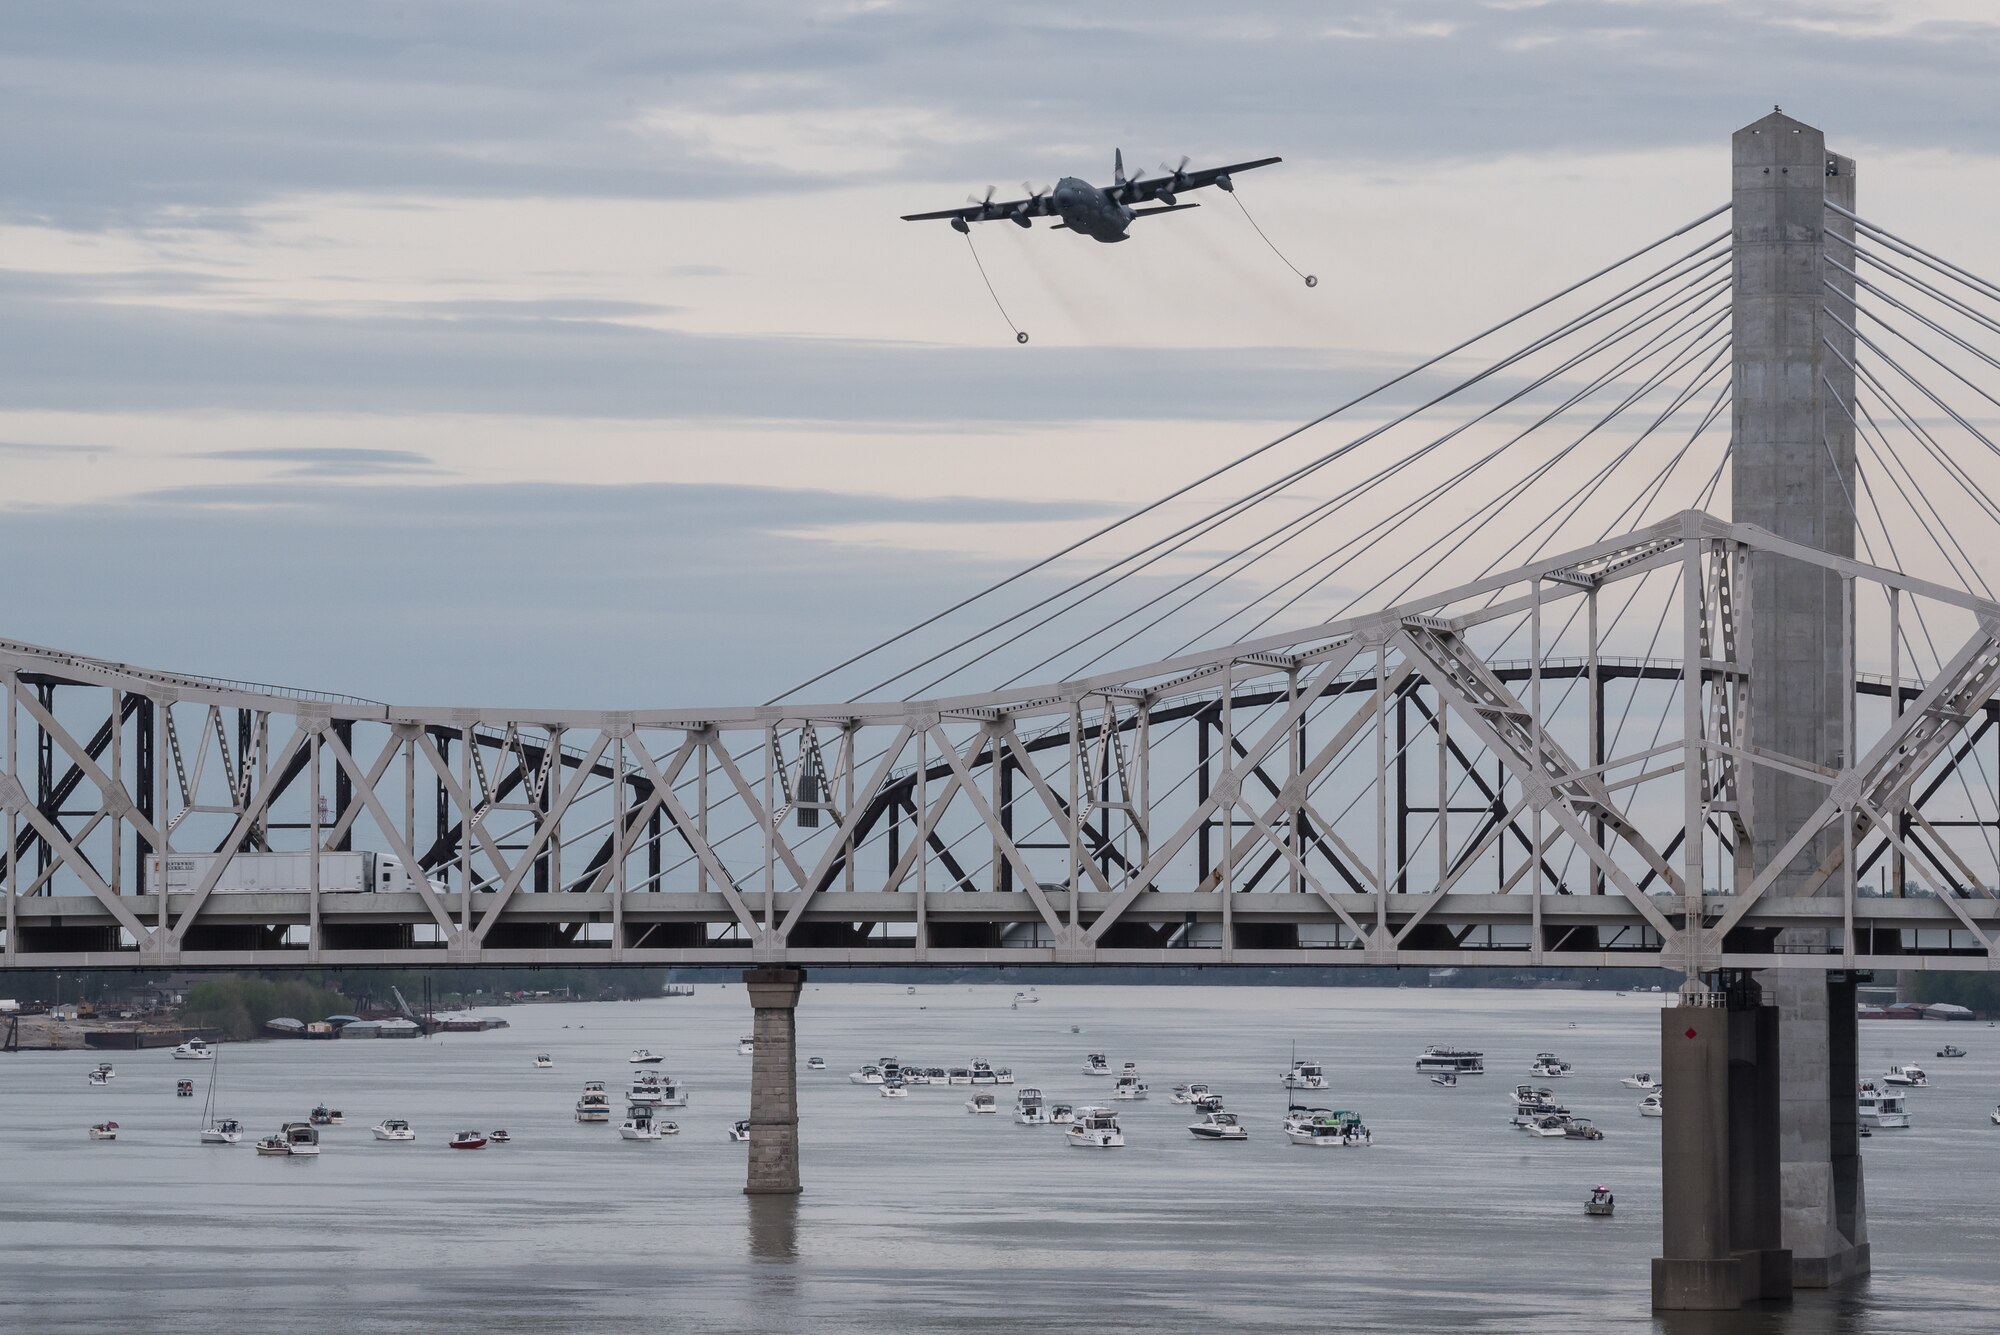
{"x":274,"y":1146}
{"x":194,"y":1050}
{"x":958,"y":1075}
{"x":1029,"y":1110}
{"x":1025,"y":998}
{"x":1130,"y":1088}
{"x":301,"y":1140}
{"x":1304,"y":1075}
{"x":1550,"y":1126}
{"x":1189,"y":1093}
{"x":103,"y":1075}
{"x":1004,"y":1076}
{"x":1061,"y":1114}
{"x":1095,"y":1129}
{"x":544,"y":1062}
{"x":639,"y":1123}
{"x":867,"y":1075}
{"x":1458,"y":1061}
{"x":815,"y":1063}
{"x":1878,"y":1108}
{"x":1314,"y":1126}
{"x":1094,"y":1064}
{"x":501,"y":1137}
{"x":393,"y":1128}
{"x":1951,"y":1050}
{"x":594,"y":1104}
{"x":1996,"y":1115}
{"x":222,"y":1131}
{"x":322,"y":1115}
{"x":645,"y":1057}
{"x":1219,"y":1126}
{"x":1446,"y":1080}
{"x":746,"y":1046}
{"x":1129,"y":1069}
{"x":1652,"y":1105}
{"x":1643,"y":1080}
{"x":1601,"y":1202}
{"x":983,"y":1074}
{"x":645,"y":1088}
{"x":1548,"y":1066}
{"x":739,"y":1132}
{"x":916,"y":1075}
{"x":982,"y":1103}
{"x":894,"y":1089}
{"x":104,"y":1131}
{"x":1581,"y":1128}
{"x":1907,"y":1077}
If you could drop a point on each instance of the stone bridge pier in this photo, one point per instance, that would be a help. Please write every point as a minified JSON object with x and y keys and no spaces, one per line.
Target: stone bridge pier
{"x":774,"y":1081}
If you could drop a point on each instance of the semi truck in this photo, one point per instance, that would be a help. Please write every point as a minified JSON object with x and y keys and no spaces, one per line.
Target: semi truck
{"x":258,"y":873}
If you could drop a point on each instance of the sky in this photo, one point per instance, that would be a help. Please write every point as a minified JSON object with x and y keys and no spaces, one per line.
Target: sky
{"x":518,"y":354}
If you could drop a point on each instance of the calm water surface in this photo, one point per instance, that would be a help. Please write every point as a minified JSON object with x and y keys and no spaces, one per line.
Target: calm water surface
{"x":918,"y":1217}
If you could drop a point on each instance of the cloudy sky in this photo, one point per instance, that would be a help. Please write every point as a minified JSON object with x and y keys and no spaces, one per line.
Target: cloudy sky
{"x":574,"y":354}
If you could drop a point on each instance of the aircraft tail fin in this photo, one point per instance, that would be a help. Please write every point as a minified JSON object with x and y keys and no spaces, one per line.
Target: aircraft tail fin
{"x":1118,"y":166}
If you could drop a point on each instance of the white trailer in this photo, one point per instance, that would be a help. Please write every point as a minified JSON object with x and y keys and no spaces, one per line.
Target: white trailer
{"x":257,"y":873}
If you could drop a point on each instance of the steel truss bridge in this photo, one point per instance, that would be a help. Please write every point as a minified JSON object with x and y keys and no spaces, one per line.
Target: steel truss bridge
{"x":1490,"y":765}
{"x":1385,"y":789}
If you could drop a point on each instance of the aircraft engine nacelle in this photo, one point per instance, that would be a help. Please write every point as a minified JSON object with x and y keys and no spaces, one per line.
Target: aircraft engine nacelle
{"x":1021,"y":220}
{"x":960,"y":225}
{"x":1226,"y":184}
{"x":1166,"y":197}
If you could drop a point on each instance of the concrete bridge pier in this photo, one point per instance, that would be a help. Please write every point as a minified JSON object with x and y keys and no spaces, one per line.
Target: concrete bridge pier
{"x":774,"y":1081}
{"x":1825,"y":1203}
{"x":1722,"y":1225}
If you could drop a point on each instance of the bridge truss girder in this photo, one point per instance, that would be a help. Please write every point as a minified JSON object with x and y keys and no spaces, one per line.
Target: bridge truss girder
{"x":1250,"y":805}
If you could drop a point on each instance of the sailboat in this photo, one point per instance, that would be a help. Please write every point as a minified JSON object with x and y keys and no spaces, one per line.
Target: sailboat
{"x":217,"y":1130}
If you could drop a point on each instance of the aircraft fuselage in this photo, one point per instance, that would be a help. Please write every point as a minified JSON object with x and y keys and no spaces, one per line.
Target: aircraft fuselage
{"x":1090,"y":210}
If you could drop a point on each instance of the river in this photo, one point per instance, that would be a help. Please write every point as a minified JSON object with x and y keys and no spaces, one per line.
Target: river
{"x":917,"y":1216}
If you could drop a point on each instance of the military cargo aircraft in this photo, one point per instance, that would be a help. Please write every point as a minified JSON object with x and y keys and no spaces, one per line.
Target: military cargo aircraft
{"x":1099,"y":212}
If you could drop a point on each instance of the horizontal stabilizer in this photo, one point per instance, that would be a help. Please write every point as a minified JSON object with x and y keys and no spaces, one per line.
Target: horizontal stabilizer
{"x":1163,"y":208}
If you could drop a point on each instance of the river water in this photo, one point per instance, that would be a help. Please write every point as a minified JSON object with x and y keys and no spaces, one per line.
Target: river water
{"x":917,"y":1216}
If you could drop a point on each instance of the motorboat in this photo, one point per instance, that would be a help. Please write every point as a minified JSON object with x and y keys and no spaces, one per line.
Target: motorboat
{"x":1029,"y":1110}
{"x":1996,"y":1115}
{"x":739,"y":1131}
{"x":1130,"y":1088}
{"x":1004,"y":1076}
{"x":467,"y":1140}
{"x":1548,"y":1066}
{"x":1880,"y":1109}
{"x":1314,"y":1126}
{"x":1191,"y":1093}
{"x":1208,"y":1103}
{"x":1458,"y":1061}
{"x":895,"y":1089}
{"x":1907,"y":1077}
{"x":910,"y":991}
{"x":501,"y":1137}
{"x":1652,"y":1106}
{"x":867,"y":1075}
{"x":645,"y":1088}
{"x":104,"y":1131}
{"x":1551,"y":1126}
{"x":1219,"y":1126}
{"x":184,"y":1089}
{"x":982,"y":1074}
{"x":194,"y":1050}
{"x":1095,"y":1064}
{"x":815,"y":1063}
{"x":222,"y":1131}
{"x":544,"y":1062}
{"x":1025,"y":998}
{"x":103,"y":1075}
{"x":1533,"y":1101}
{"x":645,"y":1057}
{"x":639,"y":1123}
{"x":1601,"y":1201}
{"x":393,"y":1128}
{"x":1643,"y":1080}
{"x":1095,"y":1129}
{"x":1951,"y":1050}
{"x":1076,"y":1029}
{"x":1061,"y":1114}
{"x":1446,"y":1080}
{"x":301,"y":1140}
{"x":1304,"y":1075}
{"x":274,"y":1146}
{"x":958,"y":1075}
{"x":746,"y":1045}
{"x":1581,"y":1128}
{"x":325,"y":1116}
{"x":594,"y":1104}
{"x":982,"y":1103}
{"x":1129,"y":1069}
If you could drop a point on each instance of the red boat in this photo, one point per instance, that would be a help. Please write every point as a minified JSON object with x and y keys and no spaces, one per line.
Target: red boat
{"x":468,"y":1140}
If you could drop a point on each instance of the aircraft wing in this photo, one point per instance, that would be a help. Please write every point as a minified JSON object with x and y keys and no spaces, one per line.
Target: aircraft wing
{"x":1154,"y":187}
{"x":992,"y":210}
